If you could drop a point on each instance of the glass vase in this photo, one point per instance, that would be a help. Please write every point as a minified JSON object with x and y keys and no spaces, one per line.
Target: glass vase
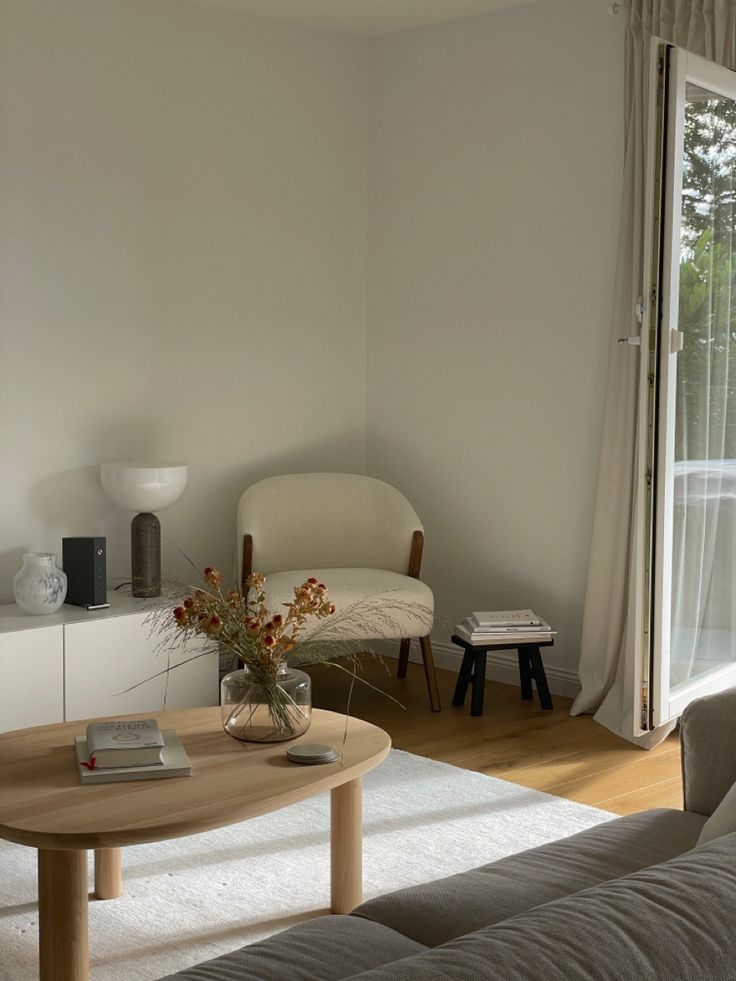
{"x":39,"y":585}
{"x":267,"y":711}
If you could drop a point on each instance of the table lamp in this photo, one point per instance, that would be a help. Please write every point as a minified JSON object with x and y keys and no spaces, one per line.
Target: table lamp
{"x":144,"y":487}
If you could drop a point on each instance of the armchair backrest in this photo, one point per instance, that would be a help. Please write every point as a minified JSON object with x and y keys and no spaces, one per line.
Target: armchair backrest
{"x":326,"y":521}
{"x":708,"y":740}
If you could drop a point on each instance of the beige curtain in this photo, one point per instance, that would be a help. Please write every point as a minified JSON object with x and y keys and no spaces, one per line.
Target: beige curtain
{"x":707,"y":28}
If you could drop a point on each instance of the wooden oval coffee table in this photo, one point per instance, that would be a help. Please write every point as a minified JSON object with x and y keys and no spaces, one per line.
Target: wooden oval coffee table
{"x":43,"y":805}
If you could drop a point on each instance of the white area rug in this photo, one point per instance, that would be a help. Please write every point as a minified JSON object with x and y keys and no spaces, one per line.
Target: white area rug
{"x":193,"y":898}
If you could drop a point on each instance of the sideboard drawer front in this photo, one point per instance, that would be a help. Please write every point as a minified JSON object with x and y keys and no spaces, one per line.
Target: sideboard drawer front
{"x":31,"y":677}
{"x":105,"y":658}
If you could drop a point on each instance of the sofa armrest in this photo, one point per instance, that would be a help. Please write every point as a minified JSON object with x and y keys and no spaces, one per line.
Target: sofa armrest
{"x":708,"y":740}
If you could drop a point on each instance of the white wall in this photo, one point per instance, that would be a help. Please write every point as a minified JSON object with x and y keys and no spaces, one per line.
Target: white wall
{"x":494,"y":182}
{"x":183,"y":276}
{"x":182,"y":263}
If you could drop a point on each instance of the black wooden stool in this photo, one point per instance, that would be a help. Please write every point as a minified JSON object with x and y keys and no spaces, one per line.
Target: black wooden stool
{"x":473,"y":672}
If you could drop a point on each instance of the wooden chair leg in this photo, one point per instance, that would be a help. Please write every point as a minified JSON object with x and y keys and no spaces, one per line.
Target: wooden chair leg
{"x":403,"y":657}
{"x":430,"y":674}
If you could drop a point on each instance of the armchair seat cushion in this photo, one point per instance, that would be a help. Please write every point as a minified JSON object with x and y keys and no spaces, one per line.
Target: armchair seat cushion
{"x":372,"y":604}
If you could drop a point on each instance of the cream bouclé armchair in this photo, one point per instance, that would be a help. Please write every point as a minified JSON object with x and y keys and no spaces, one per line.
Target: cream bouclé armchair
{"x":358,"y":535}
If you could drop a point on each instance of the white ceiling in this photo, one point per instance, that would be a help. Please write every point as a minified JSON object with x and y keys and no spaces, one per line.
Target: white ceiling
{"x":364,"y":17}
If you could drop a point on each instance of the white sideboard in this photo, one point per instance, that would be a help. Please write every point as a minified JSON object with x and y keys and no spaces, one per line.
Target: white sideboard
{"x":76,"y":664}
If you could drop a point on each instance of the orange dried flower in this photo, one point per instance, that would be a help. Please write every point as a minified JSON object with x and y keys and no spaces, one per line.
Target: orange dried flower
{"x":213,"y":577}
{"x":244,"y":624}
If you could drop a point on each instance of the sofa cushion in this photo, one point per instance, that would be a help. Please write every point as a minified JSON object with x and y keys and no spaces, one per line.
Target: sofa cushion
{"x":328,"y":948}
{"x":671,"y":921}
{"x":722,"y":821}
{"x":437,"y":911}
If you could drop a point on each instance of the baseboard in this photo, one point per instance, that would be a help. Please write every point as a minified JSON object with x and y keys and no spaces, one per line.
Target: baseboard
{"x":501,"y":666}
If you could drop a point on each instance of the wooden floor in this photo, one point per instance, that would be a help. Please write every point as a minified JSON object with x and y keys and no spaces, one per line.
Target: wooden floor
{"x":514,"y":740}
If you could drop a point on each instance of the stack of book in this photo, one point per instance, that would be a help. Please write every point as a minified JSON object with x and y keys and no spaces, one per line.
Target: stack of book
{"x":129,"y":749}
{"x":505,"y":627}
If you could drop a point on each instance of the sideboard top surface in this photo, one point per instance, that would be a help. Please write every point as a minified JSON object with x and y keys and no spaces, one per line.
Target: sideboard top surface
{"x":12,"y":618}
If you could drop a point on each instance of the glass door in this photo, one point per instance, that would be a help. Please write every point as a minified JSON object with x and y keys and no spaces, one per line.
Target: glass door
{"x":692,"y":376}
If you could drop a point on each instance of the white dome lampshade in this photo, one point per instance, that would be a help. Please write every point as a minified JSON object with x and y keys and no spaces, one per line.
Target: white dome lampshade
{"x":144,"y":487}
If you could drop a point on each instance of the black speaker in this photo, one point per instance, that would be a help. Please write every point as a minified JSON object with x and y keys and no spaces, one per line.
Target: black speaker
{"x":85,"y":563}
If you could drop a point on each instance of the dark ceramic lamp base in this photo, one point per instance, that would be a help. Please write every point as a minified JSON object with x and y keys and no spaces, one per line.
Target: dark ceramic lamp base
{"x":145,"y":550}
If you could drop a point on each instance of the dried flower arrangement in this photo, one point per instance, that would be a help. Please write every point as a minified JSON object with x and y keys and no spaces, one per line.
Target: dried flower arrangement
{"x":263,"y":641}
{"x":260,"y":638}
{"x":268,"y":643}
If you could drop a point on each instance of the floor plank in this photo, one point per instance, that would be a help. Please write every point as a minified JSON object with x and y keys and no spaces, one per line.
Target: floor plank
{"x":514,"y":740}
{"x":583,"y":768}
{"x":668,"y":793}
{"x":609,"y":784}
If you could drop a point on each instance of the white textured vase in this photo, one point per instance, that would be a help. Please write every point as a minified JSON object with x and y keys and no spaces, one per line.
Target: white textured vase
{"x":39,"y":585}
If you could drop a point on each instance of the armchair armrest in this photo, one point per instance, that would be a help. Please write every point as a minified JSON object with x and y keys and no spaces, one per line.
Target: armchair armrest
{"x":708,"y":740}
{"x":246,"y":566}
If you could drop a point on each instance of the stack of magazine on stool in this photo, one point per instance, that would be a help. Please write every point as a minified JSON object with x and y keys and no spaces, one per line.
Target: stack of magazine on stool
{"x":129,"y":749}
{"x":507,"y":627}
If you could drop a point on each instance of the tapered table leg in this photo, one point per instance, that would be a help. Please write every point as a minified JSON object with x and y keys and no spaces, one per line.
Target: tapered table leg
{"x":479,"y":683}
{"x":347,"y":846}
{"x":465,"y":676}
{"x":62,"y":915}
{"x":108,"y":881}
{"x":525,"y":673}
{"x":538,"y":673}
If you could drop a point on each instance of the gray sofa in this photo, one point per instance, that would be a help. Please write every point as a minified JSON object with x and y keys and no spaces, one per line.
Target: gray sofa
{"x":634,"y":899}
